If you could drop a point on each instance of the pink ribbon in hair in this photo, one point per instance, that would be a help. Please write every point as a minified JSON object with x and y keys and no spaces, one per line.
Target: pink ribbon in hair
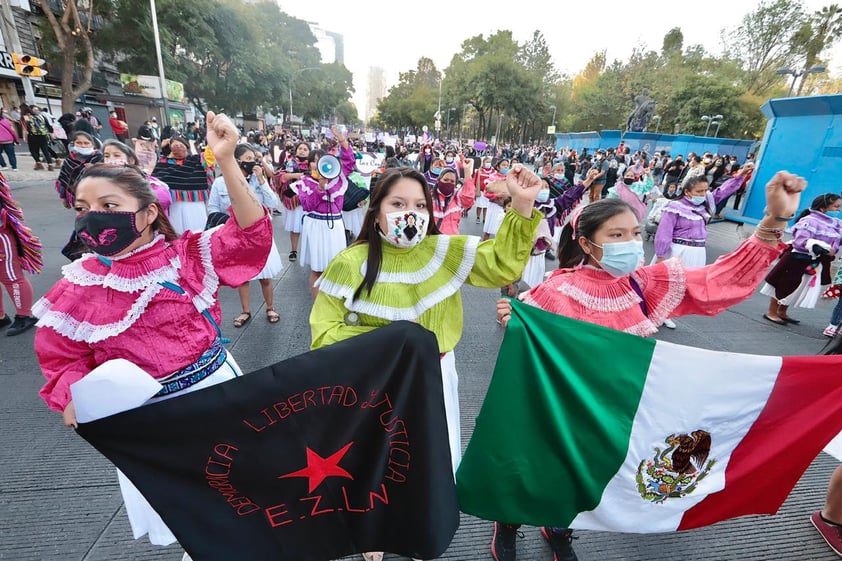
{"x":574,"y":220}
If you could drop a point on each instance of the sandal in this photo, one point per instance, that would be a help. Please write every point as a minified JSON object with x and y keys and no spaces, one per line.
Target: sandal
{"x":272,"y":316}
{"x":242,"y":319}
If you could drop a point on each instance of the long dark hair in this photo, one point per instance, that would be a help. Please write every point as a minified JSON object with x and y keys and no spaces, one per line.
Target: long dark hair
{"x":369,"y":233}
{"x":820,"y":202}
{"x":589,"y":221}
{"x":133,"y":181}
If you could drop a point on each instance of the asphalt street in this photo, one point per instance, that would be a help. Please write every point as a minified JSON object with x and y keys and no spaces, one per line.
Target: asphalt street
{"x":59,"y":499}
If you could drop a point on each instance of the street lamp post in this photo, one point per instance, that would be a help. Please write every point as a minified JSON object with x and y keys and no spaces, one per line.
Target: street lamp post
{"x":291,"y":79}
{"x":464,"y":109}
{"x":553,"y":107}
{"x":716,"y":132}
{"x":784,"y":71}
{"x":710,"y":120}
{"x":161,"y":78}
{"x":448,"y":120}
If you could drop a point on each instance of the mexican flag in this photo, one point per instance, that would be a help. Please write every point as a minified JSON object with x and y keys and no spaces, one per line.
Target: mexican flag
{"x":588,"y":427}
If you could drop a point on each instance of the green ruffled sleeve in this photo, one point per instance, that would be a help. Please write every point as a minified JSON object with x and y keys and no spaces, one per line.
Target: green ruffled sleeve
{"x":327,"y":317}
{"x":500,"y":261}
{"x":327,"y":322}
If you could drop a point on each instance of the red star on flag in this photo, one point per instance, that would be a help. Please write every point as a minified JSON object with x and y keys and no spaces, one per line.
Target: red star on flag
{"x":318,"y":468}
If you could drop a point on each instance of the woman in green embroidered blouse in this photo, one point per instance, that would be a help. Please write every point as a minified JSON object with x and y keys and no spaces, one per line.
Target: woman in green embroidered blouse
{"x":402,"y":268}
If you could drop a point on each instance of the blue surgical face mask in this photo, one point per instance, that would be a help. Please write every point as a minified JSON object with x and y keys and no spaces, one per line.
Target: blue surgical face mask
{"x":620,"y":258}
{"x":834,"y":213}
{"x":504,"y":171}
{"x":698,"y":200}
{"x":543,"y":196}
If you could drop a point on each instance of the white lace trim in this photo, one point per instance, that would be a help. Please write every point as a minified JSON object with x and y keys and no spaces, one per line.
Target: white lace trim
{"x":210,"y":283}
{"x":77,"y":274}
{"x":685,"y":214}
{"x":675,"y":291}
{"x":155,"y":239}
{"x":83,"y":331}
{"x":413,"y":312}
{"x":597,"y":303}
{"x":644,"y":329}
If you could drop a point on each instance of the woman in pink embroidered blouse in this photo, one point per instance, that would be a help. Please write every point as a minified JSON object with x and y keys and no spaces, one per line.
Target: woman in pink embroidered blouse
{"x":601,"y":281}
{"x":145,"y":295}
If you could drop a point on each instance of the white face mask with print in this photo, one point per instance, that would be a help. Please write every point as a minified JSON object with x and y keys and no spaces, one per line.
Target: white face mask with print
{"x":405,"y":229}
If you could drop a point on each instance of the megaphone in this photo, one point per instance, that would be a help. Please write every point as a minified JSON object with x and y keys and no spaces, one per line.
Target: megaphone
{"x":328,"y":166}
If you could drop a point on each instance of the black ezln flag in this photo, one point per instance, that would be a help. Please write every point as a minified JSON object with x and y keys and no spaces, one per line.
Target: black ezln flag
{"x":333,"y":452}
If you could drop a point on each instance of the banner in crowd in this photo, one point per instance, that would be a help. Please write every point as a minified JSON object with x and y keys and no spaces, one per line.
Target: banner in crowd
{"x":333,"y":452}
{"x":150,"y":86}
{"x":588,"y":427}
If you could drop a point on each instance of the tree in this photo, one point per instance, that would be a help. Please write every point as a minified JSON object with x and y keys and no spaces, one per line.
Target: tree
{"x":70,"y":37}
{"x":210,"y":46}
{"x":821,"y":30}
{"x":412,"y":102}
{"x":766,"y":41}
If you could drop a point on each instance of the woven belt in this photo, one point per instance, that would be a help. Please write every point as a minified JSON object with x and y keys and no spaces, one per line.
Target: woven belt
{"x":323,"y":216}
{"x":208,"y":363}
{"x":691,"y":243}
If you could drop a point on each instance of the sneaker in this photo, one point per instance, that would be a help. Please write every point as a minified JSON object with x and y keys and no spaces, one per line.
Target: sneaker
{"x":669,"y":323}
{"x":4,"y":168}
{"x":831,"y":533}
{"x":21,"y":324}
{"x":293,"y":256}
{"x":830,"y":330}
{"x":38,"y":165}
{"x":5,"y":320}
{"x":561,"y":543}
{"x":503,"y":543}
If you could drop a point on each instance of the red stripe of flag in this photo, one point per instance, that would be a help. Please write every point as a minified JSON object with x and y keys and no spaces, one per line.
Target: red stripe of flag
{"x":803,"y":413}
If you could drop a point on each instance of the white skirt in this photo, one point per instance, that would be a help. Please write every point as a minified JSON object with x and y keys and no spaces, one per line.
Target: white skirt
{"x":353,"y":220}
{"x":482,"y":202}
{"x":142,"y":517}
{"x":188,"y":216}
{"x":805,"y":296}
{"x":692,"y":257}
{"x":320,"y":243}
{"x":292,"y":219}
{"x":450,"y":386}
{"x":535,"y":270}
{"x":273,"y":266}
{"x":493,"y":219}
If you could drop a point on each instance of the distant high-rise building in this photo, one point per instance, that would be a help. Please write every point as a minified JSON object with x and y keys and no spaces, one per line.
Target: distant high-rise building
{"x":376,"y":90}
{"x":330,"y":44}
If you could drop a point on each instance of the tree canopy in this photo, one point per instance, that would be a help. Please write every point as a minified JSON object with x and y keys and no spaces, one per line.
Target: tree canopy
{"x":496,"y":82}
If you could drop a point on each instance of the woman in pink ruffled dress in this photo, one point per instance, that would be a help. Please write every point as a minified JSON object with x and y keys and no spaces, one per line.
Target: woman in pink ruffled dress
{"x":147,"y":296}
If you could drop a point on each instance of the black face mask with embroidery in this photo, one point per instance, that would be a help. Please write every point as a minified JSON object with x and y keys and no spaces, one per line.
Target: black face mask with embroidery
{"x":108,"y":232}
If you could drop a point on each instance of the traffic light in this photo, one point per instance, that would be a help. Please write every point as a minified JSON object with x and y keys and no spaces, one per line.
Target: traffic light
{"x":28,"y":65}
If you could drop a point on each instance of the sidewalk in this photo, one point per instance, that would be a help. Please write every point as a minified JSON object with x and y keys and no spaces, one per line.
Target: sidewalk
{"x":26,"y":171}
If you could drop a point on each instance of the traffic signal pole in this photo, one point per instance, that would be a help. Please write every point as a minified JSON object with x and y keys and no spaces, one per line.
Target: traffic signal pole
{"x":10,"y":36}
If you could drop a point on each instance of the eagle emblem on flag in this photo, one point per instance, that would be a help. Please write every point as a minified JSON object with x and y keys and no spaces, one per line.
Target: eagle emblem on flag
{"x":675,"y":471}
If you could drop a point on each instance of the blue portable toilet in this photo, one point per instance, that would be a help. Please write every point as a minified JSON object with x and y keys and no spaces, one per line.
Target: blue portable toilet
{"x":803,"y":136}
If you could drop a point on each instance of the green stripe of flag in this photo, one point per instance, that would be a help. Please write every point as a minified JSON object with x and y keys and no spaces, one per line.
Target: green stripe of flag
{"x":555,"y":424}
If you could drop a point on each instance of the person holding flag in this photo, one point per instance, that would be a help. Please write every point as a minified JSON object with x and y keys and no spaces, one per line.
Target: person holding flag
{"x":601,"y":281}
{"x":146,"y":295}
{"x":403,"y":268}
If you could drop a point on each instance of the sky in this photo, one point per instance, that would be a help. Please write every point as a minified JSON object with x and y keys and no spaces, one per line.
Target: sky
{"x":394,"y":35}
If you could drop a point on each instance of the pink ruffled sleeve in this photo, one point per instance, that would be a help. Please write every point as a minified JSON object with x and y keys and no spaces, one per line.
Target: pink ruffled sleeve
{"x":671,"y":290}
{"x":226,"y":255}
{"x":63,"y":362}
